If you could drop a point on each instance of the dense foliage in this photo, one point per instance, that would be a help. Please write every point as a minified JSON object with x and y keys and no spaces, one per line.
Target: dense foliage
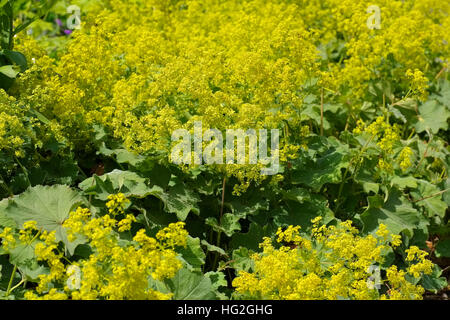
{"x":94,"y":208}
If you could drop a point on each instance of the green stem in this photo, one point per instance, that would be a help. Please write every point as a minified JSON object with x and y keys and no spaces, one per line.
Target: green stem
{"x":17,"y":285}
{"x":35,"y":237}
{"x":82,"y":172}
{"x":223,"y":200}
{"x":5,"y":186}
{"x":24,"y":170}
{"x":344,"y":178}
{"x":432,"y":196}
{"x":321,"y":112}
{"x":424,"y":154}
{"x":11,"y":279}
{"x":11,"y":31}
{"x":219,"y":233}
{"x":216,"y":258}
{"x":386,"y":111}
{"x":67,"y":260}
{"x":407,"y":94}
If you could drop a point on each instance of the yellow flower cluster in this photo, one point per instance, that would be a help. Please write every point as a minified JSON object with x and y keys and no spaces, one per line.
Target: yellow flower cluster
{"x":117,"y":203}
{"x":422,"y":265}
{"x":155,"y":81}
{"x":231,"y":64}
{"x":8,"y":239}
{"x":113,"y":270}
{"x":13,"y":130}
{"x":48,"y":251}
{"x":335,"y":263}
{"x":385,"y":134}
{"x":26,"y":234}
{"x":419,"y":83}
{"x":387,"y":137}
{"x":404,"y":158}
{"x":412,"y":33}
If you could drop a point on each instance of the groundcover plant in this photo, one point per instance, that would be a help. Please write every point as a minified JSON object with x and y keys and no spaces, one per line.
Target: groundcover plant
{"x":136,"y":138}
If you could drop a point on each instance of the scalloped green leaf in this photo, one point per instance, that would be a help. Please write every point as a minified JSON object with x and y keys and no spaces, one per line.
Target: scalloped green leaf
{"x":229,"y":224}
{"x":429,"y":196}
{"x":126,"y":182}
{"x":5,"y":220}
{"x":432,"y":116}
{"x":241,"y":260}
{"x":325,"y":168}
{"x":443,"y":249}
{"x":177,"y":199}
{"x":396,"y":213}
{"x":49,"y":206}
{"x":253,"y":237}
{"x":187,"y":285}
{"x":193,"y":254}
{"x":9,"y":71}
{"x":434,"y":282}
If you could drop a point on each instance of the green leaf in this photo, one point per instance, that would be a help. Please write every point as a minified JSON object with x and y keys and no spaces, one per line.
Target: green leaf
{"x":158,"y":174}
{"x":9,"y":71}
{"x":241,"y":260}
{"x":218,"y":280}
{"x":397,"y":114}
{"x":22,"y":253}
{"x":299,"y":210}
{"x":193,"y":254}
{"x":446,"y":195}
{"x":443,"y":249}
{"x":296,"y":194}
{"x":48,"y":206}
{"x":249,"y":204}
{"x":24,"y":257}
{"x":428,"y":196}
{"x":32,"y":270}
{"x":6,"y":221}
{"x":253,"y":237}
{"x":58,"y":170}
{"x":17,"y":58}
{"x":365,"y":177}
{"x":434,"y":282}
{"x":404,"y":110}
{"x":312,"y":111}
{"x":24,"y":25}
{"x":40,"y":116}
{"x":444,"y":93}
{"x":213,"y":248}
{"x":122,"y":155}
{"x":230,"y":224}
{"x":404,"y":182}
{"x":126,"y":182}
{"x":178,"y":199}
{"x":396,"y":213}
{"x":6,"y":17}
{"x":326,"y":168}
{"x":432,"y":116}
{"x":187,"y":285}
{"x":369,"y":186}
